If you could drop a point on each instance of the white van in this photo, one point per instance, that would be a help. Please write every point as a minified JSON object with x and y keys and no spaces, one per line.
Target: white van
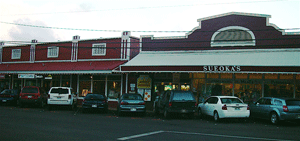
{"x":63,"y":96}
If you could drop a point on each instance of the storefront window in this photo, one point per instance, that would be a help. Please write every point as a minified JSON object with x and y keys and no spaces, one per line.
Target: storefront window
{"x":55,"y":81}
{"x":114,"y":89}
{"x":215,"y":89}
{"x":84,"y":85}
{"x":297,"y":91}
{"x":66,"y":81}
{"x":99,"y":87}
{"x":278,"y":90}
{"x":248,"y":92}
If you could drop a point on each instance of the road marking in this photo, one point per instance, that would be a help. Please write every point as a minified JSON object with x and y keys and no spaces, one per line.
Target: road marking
{"x":203,"y":134}
{"x":227,"y":136}
{"x":140,"y":135}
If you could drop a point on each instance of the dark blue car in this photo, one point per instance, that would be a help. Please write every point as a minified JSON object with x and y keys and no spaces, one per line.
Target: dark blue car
{"x":94,"y":102}
{"x":9,"y":96}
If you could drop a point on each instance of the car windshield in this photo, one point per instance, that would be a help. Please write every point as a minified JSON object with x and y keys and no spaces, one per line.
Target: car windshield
{"x":60,"y":91}
{"x":230,"y":100}
{"x":30,"y":90}
{"x":94,"y":97}
{"x":292,"y":102}
{"x":132,"y":97}
{"x":183,"y":96}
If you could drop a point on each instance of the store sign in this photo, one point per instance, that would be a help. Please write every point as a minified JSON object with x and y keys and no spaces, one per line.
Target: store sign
{"x":38,"y":76}
{"x":2,"y":76}
{"x":221,"y":68}
{"x":26,"y":75}
{"x":48,"y":77}
{"x":144,"y":82}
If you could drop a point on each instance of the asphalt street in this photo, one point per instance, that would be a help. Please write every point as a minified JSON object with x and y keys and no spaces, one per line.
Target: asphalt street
{"x":33,"y":123}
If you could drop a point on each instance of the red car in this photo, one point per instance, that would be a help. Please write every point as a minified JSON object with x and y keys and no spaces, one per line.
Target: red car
{"x":32,"y":95}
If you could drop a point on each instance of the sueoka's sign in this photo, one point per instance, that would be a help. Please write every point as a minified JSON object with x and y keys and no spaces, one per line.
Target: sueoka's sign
{"x":221,"y":68}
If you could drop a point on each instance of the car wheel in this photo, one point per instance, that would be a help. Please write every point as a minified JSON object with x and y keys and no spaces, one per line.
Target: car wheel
{"x":200,"y":113}
{"x":216,"y":116}
{"x":274,"y":118}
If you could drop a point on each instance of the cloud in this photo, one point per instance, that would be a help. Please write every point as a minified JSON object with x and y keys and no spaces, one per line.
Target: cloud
{"x":27,"y":33}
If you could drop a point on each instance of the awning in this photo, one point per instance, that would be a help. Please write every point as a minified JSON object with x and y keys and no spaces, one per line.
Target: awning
{"x":254,"y":60}
{"x":86,"y":67}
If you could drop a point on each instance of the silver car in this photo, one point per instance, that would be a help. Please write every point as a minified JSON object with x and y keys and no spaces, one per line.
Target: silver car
{"x":276,"y":109}
{"x":132,"y":103}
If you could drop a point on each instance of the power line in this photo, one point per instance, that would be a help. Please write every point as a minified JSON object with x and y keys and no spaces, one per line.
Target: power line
{"x":97,"y":30}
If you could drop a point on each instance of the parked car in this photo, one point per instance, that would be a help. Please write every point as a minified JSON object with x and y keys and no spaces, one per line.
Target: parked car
{"x":62,"y":96}
{"x":276,"y":109}
{"x":176,"y":102}
{"x":9,"y":96}
{"x":33,"y":95}
{"x":131,"y":103}
{"x":94,"y":102}
{"x":224,"y":107}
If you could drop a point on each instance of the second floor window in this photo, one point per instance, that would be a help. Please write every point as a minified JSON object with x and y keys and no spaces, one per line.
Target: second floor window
{"x":99,"y":49}
{"x":16,"y":54}
{"x":52,"y":52}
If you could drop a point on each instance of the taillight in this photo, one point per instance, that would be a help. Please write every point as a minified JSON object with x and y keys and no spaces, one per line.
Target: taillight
{"x":196,"y":104}
{"x":104,"y":101}
{"x":70,"y":96}
{"x":170,"y":104}
{"x":285,"y":109}
{"x":224,"y":107}
{"x":48,"y":96}
{"x":142,"y":103}
{"x":248,"y":108}
{"x":124,"y":103}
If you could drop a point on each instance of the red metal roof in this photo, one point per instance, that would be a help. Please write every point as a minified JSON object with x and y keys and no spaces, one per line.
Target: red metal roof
{"x":61,"y":66}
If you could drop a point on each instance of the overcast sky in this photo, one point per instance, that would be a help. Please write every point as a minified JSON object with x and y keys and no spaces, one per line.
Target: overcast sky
{"x":129,"y":15}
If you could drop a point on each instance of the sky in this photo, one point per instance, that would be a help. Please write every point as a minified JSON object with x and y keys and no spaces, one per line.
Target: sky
{"x":108,"y":18}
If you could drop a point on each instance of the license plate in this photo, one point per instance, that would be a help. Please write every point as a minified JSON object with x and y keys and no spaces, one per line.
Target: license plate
{"x":298,"y":116}
{"x":29,"y":96}
{"x":3,"y":100}
{"x":133,"y":109}
{"x":183,"y":111}
{"x":237,"y":108}
{"x":94,"y":105}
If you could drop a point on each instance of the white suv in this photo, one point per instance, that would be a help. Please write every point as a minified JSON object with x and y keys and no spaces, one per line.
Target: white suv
{"x":63,"y":96}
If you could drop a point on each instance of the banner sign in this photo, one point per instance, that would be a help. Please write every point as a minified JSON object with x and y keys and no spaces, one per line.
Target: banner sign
{"x":144,"y":82}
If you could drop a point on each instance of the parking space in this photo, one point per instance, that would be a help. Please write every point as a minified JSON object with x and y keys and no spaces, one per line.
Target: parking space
{"x":179,"y":136}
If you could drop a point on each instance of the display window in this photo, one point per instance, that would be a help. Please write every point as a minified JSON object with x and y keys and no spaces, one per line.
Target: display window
{"x":278,"y":90}
{"x":219,"y":89}
{"x":114,"y":89}
{"x":297,"y":95}
{"x":248,"y":92}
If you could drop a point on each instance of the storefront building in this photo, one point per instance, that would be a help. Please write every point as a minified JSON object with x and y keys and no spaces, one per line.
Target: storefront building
{"x":239,"y":54}
{"x":85,"y":65}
